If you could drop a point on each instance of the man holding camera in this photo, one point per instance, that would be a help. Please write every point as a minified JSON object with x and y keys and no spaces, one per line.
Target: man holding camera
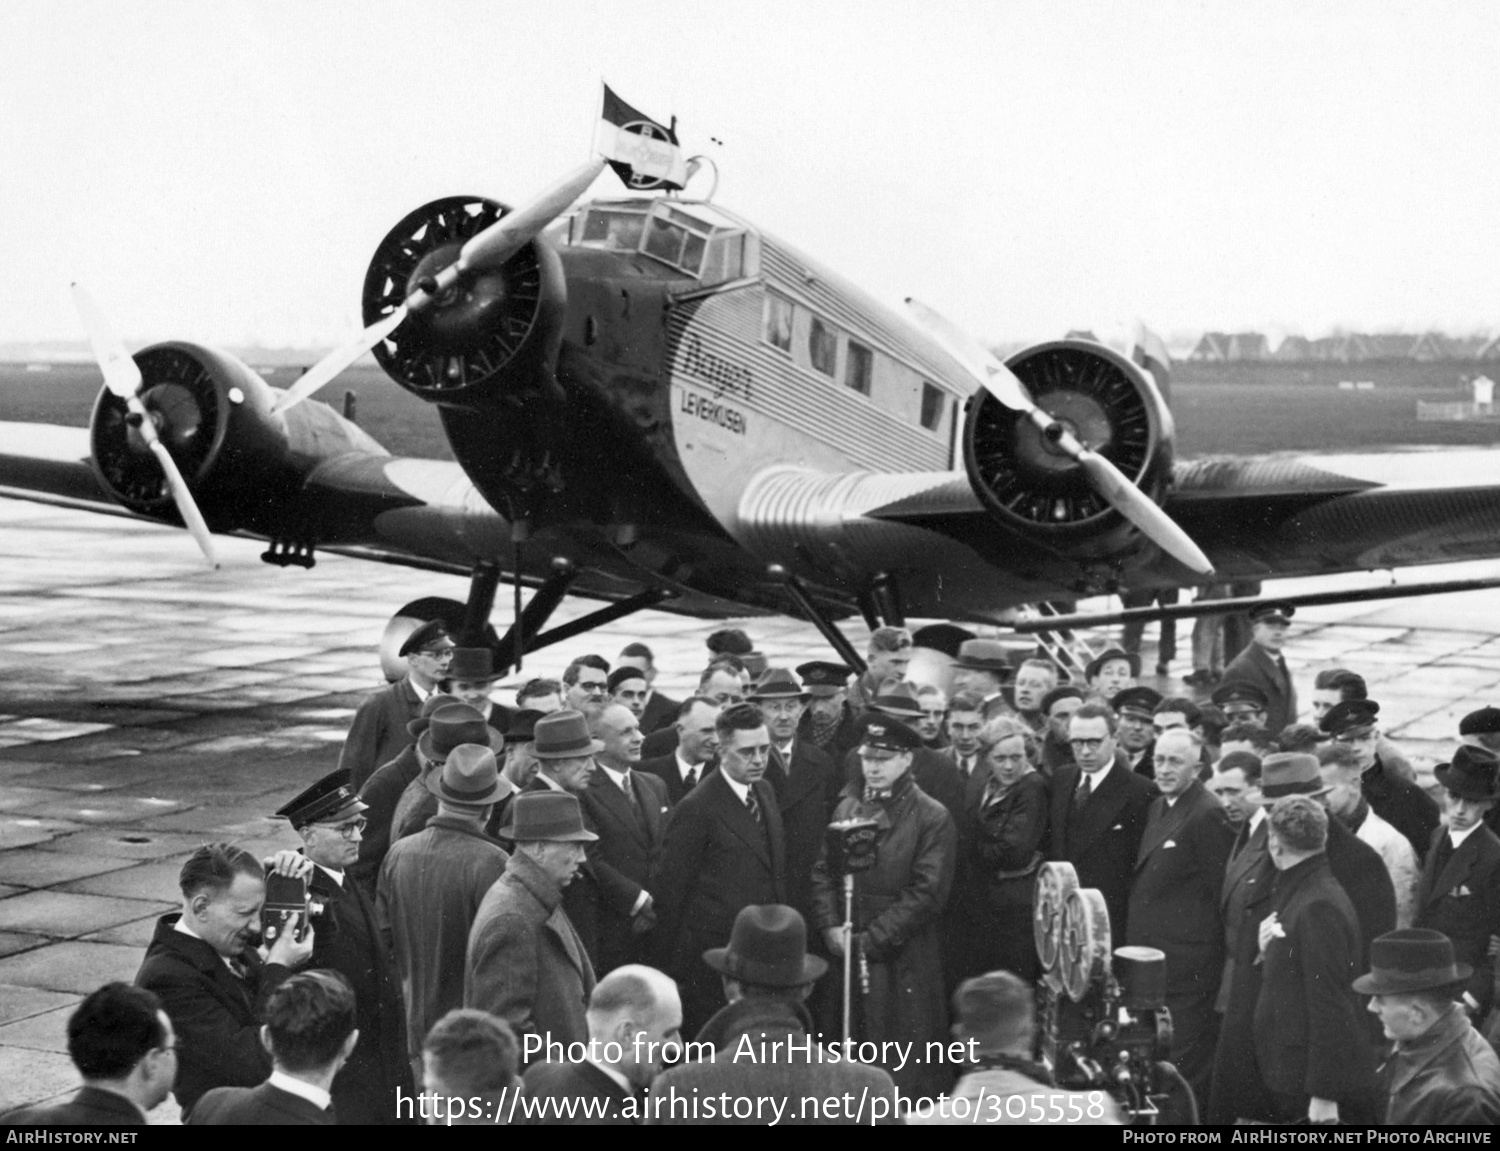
{"x":330,"y":818}
{"x":211,"y":979}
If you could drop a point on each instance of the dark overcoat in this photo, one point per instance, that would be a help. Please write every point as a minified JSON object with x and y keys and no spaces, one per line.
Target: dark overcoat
{"x":626,"y":854}
{"x":378,"y":732}
{"x":381,"y":792}
{"x":1256,"y":665}
{"x":1461,"y":898}
{"x":806,"y":791}
{"x":898,"y":908}
{"x":347,"y":939}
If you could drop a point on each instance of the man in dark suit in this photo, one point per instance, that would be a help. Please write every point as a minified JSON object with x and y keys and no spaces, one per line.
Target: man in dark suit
{"x":309,"y":1031}
{"x":1263,"y":665}
{"x":1135,"y":708}
{"x":211,"y":981}
{"x":1099,"y":810}
{"x":379,"y":731}
{"x":1174,"y":899}
{"x":330,"y":818}
{"x":724,"y":681}
{"x":635,"y":1019}
{"x":627,"y":809}
{"x":724,"y":850}
{"x":1399,"y":801}
{"x":804,"y":778}
{"x":694,"y":757}
{"x":1459,"y":894}
{"x":121,"y":1041}
{"x":1310,"y":1038}
{"x":660,"y":710}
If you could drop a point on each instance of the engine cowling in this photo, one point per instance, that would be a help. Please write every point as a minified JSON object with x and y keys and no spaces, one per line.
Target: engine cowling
{"x":1030,"y":486}
{"x":243,"y":464}
{"x":494,"y":334}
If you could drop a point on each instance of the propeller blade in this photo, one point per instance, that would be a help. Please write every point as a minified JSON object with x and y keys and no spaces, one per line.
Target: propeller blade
{"x":121,"y":375}
{"x":181,"y":496}
{"x":1141,"y":510}
{"x":996,"y":378}
{"x":1104,"y":477}
{"x":513,"y":231}
{"x":337,"y":360}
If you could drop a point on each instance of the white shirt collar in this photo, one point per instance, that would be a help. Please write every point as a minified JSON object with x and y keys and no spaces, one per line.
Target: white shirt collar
{"x":1256,"y":816}
{"x":336,"y":876}
{"x":619,"y":777}
{"x":416,"y":687}
{"x":741,"y":790}
{"x":314,"y":1095}
{"x":1459,"y":836}
{"x":182,"y":926}
{"x":685,"y":769}
{"x":1097,"y":777}
{"x":615,"y":1074}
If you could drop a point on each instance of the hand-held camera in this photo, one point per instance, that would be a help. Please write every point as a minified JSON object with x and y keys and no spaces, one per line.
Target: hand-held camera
{"x":287,"y":908}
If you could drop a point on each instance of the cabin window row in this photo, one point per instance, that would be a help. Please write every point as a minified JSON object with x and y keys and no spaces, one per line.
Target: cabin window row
{"x":811,"y":340}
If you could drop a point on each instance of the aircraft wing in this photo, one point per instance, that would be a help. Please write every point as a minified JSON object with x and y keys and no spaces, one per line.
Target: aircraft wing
{"x":1283,"y":515}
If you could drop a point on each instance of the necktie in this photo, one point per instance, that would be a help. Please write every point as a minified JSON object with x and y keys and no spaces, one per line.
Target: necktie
{"x":1085,"y":789}
{"x":752,"y":805}
{"x":629,"y":789}
{"x":690,"y":781}
{"x":1444,"y":854}
{"x":967,"y":763}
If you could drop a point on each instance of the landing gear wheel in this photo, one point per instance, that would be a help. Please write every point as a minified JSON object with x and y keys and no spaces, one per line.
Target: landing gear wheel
{"x":413,"y":616}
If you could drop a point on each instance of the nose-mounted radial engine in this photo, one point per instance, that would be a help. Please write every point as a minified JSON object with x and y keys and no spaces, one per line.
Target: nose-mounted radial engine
{"x":1102,"y":1018}
{"x":1025,"y":476}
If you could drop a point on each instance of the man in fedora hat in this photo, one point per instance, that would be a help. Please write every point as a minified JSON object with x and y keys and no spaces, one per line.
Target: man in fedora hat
{"x":524,"y":962}
{"x":805,"y":780}
{"x":1310,"y":1047}
{"x":935,"y":772}
{"x":330,"y":818}
{"x":379,"y":730}
{"x":432,"y":883}
{"x":982,"y":667}
{"x":1111,"y":672}
{"x":448,"y":727}
{"x":766,"y":976}
{"x":1399,"y":801}
{"x":470,"y":679}
{"x":1459,"y":894}
{"x":565,"y":750}
{"x":382,"y":792}
{"x":1262,"y":664}
{"x":724,"y":850}
{"x":1440,"y":1070}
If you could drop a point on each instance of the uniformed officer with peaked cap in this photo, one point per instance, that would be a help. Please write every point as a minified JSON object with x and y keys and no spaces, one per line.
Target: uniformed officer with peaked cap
{"x":1397,"y":800}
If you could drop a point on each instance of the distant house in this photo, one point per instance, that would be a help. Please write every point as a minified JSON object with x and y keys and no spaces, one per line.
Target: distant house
{"x":1294,"y":348}
{"x":1226,"y":347}
{"x":1489,"y":350}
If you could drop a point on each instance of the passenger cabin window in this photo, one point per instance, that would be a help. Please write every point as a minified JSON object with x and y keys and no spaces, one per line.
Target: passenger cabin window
{"x":858,"y":367}
{"x":932,"y":407}
{"x":822,"y":347}
{"x":778,"y":330}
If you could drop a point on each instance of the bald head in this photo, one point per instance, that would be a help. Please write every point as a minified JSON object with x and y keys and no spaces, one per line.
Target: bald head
{"x":635,"y":1018}
{"x":618,"y":728}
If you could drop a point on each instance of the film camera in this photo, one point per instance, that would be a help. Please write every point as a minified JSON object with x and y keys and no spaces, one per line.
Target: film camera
{"x":288,"y":907}
{"x":1102,"y":1018}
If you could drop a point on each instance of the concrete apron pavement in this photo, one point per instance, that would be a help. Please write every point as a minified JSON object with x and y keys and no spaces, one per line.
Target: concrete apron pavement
{"x":148,"y":705}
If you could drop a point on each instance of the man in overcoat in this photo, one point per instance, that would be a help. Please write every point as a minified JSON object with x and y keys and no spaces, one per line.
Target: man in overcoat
{"x":379,"y":730}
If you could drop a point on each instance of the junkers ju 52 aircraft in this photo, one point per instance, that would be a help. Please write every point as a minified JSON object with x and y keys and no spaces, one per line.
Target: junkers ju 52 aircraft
{"x":655,"y":403}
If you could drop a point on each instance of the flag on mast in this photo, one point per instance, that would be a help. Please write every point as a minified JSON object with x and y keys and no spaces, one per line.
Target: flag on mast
{"x":644,"y":154}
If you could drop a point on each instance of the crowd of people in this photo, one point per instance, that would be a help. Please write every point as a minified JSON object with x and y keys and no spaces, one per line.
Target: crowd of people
{"x":585,"y":907}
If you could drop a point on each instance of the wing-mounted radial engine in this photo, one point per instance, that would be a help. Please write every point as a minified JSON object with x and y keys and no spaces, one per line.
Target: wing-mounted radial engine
{"x":489,"y":336}
{"x":1024,"y":472}
{"x":213,"y":415}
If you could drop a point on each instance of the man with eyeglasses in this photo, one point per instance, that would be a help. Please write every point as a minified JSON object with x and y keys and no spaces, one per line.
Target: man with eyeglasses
{"x":586,"y":684}
{"x":1099,"y":810}
{"x":379,"y":731}
{"x":1400,"y":802}
{"x":330,"y":818}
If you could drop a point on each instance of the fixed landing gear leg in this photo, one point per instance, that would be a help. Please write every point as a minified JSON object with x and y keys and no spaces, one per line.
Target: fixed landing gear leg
{"x":824,"y":625}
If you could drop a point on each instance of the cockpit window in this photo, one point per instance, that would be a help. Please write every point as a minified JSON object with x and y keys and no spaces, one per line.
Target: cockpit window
{"x":704,"y":248}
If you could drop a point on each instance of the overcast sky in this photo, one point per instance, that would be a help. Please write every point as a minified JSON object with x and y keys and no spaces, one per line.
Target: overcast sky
{"x":222,"y":171}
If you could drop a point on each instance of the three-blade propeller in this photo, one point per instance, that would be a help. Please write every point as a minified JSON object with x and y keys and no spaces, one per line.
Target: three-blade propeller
{"x":488,"y":249}
{"x":122,"y":376}
{"x":1103,"y":476}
